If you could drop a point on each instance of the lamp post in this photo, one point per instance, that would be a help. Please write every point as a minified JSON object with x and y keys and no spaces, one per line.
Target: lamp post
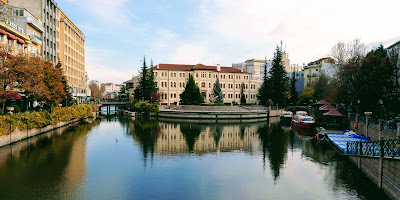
{"x":358,"y":112}
{"x":381,"y":108}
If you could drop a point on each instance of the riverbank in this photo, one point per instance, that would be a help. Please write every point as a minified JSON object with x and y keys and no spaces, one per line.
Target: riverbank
{"x":214,"y":112}
{"x":22,"y":134}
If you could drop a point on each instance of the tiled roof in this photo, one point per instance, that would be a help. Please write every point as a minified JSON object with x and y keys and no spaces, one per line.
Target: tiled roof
{"x":179,"y":67}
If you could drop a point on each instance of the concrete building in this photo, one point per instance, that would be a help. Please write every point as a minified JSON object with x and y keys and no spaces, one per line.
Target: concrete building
{"x":23,"y":21}
{"x":171,"y":80}
{"x":71,"y":55}
{"x":131,"y":85}
{"x":13,"y":37}
{"x":299,"y":77}
{"x":314,"y":70}
{"x":45,"y":10}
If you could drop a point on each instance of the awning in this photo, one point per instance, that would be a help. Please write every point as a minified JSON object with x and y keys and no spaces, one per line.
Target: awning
{"x":322,"y":102}
{"x":326,"y":107}
{"x":12,"y":37}
{"x":20,"y":41}
{"x":334,"y":113}
{"x":13,"y":95}
{"x":2,"y":32}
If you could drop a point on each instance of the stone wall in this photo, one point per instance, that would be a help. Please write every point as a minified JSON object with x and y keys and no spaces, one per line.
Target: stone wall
{"x":18,"y":135}
{"x":382,"y":171}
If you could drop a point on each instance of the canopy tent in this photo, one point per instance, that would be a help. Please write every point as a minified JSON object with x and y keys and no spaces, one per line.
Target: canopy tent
{"x":13,"y":95}
{"x":326,"y":107}
{"x":322,"y":102}
{"x":334,"y":113}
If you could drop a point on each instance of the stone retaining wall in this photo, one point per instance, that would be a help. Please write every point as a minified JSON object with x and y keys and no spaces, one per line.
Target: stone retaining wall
{"x":382,"y":171}
{"x":18,"y":135}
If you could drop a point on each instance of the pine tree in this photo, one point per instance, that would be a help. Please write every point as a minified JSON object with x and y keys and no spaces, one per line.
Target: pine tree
{"x":263,"y":91}
{"x":147,"y":85}
{"x":140,"y":91}
{"x":293,"y":92}
{"x":217,"y":93}
{"x":68,"y":100}
{"x":278,"y":81}
{"x":242,"y":96}
{"x":191,"y":95}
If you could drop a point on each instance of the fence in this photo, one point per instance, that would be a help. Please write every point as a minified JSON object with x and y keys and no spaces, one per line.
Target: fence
{"x":380,"y":148}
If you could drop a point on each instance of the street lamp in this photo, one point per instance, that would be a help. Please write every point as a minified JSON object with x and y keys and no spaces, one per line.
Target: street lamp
{"x":381,"y":107}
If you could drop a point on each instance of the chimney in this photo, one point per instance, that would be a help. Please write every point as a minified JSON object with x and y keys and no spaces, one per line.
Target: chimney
{"x":218,"y":67}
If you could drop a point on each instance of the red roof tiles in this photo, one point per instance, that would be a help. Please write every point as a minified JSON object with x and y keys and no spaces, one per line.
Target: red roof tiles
{"x":179,"y":67}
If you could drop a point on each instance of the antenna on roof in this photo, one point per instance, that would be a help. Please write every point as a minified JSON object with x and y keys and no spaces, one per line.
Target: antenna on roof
{"x":281,"y":45}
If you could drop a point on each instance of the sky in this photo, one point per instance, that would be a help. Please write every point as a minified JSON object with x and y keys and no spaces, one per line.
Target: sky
{"x":120,"y":33}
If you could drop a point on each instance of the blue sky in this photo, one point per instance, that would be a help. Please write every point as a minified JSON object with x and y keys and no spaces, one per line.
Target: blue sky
{"x":120,"y":32}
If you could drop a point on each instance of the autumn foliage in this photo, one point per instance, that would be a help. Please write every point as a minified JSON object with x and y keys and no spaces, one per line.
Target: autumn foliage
{"x":31,"y":75}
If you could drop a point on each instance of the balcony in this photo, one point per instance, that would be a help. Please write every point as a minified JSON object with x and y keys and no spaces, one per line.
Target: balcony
{"x":312,"y":75}
{"x":38,"y":25}
{"x":36,"y":39}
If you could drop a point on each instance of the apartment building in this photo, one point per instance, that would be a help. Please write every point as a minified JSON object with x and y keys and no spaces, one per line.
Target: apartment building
{"x":44,"y":10}
{"x":24,"y":21}
{"x":315,"y":69}
{"x":171,"y":80}
{"x":71,"y":55}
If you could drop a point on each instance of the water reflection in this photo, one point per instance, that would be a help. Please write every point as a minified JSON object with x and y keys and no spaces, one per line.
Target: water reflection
{"x":189,"y":160}
{"x":55,"y":160}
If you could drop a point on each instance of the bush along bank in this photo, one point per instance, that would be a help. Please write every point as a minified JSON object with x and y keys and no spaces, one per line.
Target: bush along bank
{"x":43,"y":118}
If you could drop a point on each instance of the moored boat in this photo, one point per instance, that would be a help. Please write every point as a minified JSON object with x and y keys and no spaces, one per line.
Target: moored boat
{"x":306,"y":122}
{"x":286,"y":115}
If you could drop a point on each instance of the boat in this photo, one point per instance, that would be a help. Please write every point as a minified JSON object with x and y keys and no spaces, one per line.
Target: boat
{"x":301,"y":113}
{"x":286,"y":115}
{"x":306,"y":122}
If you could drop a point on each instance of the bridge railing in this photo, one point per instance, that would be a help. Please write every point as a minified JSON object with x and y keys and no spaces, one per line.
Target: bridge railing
{"x":123,"y":100}
{"x":380,"y":148}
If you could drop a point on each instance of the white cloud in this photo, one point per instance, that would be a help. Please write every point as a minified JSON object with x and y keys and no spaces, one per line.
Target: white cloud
{"x":106,"y":74}
{"x":308,"y":28}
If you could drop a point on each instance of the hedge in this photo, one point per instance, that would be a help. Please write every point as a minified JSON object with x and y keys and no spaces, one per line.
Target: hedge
{"x":41,"y":119}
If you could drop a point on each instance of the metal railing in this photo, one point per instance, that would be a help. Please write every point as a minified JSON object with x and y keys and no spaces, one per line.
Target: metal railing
{"x":380,"y":148}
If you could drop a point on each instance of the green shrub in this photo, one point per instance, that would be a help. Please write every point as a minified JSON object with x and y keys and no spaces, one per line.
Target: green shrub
{"x":42,"y":118}
{"x":145,"y":108}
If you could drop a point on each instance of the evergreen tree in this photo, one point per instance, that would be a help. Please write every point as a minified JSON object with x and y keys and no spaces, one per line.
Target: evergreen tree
{"x":153,"y":89}
{"x":278,"y":81}
{"x":140,"y":91}
{"x":147,"y":84}
{"x":263,"y":91}
{"x":217,"y":93}
{"x":191,"y":95}
{"x":293,"y":92}
{"x":242,"y":96}
{"x":68,"y":100}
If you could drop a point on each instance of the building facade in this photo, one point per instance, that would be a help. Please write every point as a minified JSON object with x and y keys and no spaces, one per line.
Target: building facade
{"x":316,"y":68}
{"x":71,"y":55}
{"x":44,"y":10}
{"x":24,"y":21}
{"x":171,"y":80}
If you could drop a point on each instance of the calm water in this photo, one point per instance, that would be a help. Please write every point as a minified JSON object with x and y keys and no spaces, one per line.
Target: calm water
{"x":148,"y":159}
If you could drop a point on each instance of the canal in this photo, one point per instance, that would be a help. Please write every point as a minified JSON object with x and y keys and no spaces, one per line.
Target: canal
{"x":121,"y":158}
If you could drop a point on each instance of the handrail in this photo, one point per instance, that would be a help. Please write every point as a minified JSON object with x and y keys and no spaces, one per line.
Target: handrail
{"x":380,"y":148}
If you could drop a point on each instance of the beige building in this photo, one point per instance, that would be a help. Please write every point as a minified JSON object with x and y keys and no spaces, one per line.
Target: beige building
{"x":314,"y":70}
{"x":171,"y":80}
{"x":71,"y":54}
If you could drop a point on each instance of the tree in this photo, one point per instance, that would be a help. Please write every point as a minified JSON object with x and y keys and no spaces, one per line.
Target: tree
{"x":376,"y":80}
{"x":278,"y":81}
{"x":242,"y":96}
{"x":217,"y":93}
{"x":320,"y":87}
{"x":191,"y":95}
{"x":95,"y":90}
{"x":264,"y":90}
{"x":306,"y":95}
{"x":147,"y":85}
{"x":293,"y":92}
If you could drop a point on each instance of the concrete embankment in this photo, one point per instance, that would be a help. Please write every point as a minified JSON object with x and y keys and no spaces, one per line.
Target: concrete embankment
{"x":383,"y":171}
{"x":214,"y":112}
{"x":18,"y":135}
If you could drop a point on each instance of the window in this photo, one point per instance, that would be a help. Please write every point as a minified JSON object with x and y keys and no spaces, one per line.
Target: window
{"x":175,"y":84}
{"x":209,"y":85}
{"x":172,"y":84}
{"x":162,"y":84}
{"x":155,"y":73}
{"x":209,"y":75}
{"x":203,"y":84}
